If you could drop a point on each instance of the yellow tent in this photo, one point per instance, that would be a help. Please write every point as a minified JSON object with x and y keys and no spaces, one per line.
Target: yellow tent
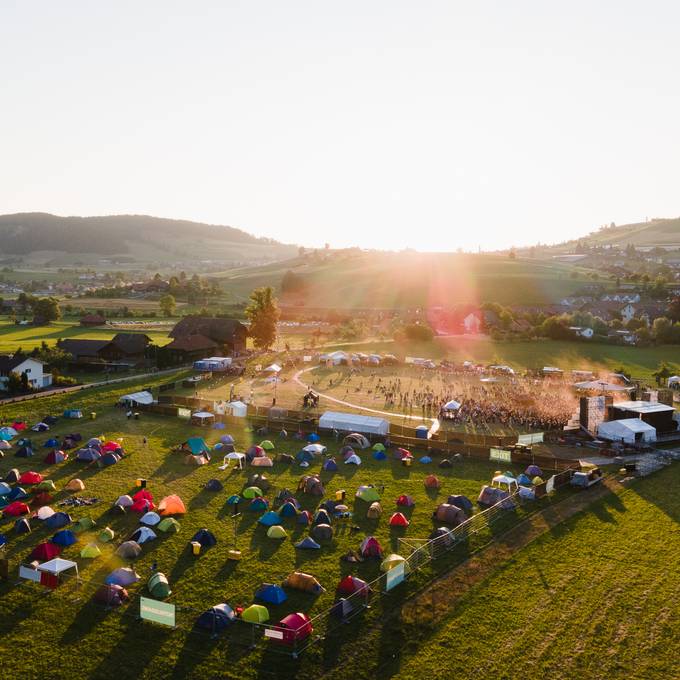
{"x":256,"y":613}
{"x":276,"y":531}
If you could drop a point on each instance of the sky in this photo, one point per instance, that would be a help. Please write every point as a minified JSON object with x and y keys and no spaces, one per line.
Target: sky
{"x":380,"y":124}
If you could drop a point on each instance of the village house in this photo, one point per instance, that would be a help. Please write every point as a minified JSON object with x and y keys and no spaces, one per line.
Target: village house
{"x":20,"y":364}
{"x":228,"y":334}
{"x":123,"y":351}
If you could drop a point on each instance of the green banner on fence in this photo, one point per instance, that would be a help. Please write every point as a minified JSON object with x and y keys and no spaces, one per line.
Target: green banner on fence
{"x":156,"y":611}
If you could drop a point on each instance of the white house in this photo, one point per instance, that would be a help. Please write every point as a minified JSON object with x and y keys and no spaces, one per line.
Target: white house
{"x":33,"y":368}
{"x":472,"y":323}
{"x":627,"y":312}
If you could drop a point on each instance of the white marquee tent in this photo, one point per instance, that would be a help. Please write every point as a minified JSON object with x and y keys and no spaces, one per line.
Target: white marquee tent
{"x":628,"y":431}
{"x":352,"y":422}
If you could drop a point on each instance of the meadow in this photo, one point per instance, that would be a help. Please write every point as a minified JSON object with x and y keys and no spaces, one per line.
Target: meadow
{"x":77,"y":624}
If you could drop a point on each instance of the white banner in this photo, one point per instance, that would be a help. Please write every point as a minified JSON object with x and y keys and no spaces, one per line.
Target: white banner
{"x":528,"y":439}
{"x":29,"y":574}
{"x":500,"y":455}
{"x":550,"y":485}
{"x":273,"y":633}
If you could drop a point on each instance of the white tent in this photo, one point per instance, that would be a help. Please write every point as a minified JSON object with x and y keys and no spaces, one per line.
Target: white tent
{"x":273,"y":368}
{"x":137,"y":398}
{"x":674,"y":381}
{"x":452,"y":405}
{"x":601,"y":386}
{"x":352,"y":422}
{"x":238,"y":409}
{"x":628,"y":430}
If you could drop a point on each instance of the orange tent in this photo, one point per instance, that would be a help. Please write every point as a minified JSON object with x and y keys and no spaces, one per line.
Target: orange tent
{"x":172,"y":505}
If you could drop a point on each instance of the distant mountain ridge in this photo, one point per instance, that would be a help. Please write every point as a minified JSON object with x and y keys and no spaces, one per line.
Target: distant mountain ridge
{"x":23,"y":233}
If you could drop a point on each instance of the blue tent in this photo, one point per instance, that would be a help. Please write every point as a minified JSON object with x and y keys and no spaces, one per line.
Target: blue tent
{"x":51,"y":443}
{"x":64,"y":538}
{"x":17,"y":494}
{"x":197,"y":445}
{"x":214,"y":485}
{"x":22,"y":526}
{"x":205,"y":538}
{"x":462,"y":502}
{"x":425,"y":459}
{"x":3,"y":539}
{"x":304,"y":457}
{"x":216,"y":618}
{"x":288,"y":509}
{"x":524,"y":480}
{"x":379,"y":455}
{"x":227,"y":439}
{"x":5,"y":489}
{"x":58,"y":520}
{"x":330,"y":465}
{"x":313,"y":437}
{"x":322,"y":517}
{"x":269,"y":519}
{"x":218,"y":426}
{"x":258,"y":504}
{"x":88,"y":455}
{"x":270,"y":593}
{"x":234,"y":500}
{"x":308,"y":543}
{"x":110,"y":458}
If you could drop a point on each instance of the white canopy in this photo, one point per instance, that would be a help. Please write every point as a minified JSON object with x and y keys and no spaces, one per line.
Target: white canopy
{"x":238,"y":457}
{"x":674,"y":380}
{"x":238,"y":409}
{"x":452,"y":405}
{"x":601,"y":385}
{"x":273,"y":368}
{"x":57,"y":566}
{"x":138,"y":397}
{"x":352,"y":422}
{"x":202,"y":415}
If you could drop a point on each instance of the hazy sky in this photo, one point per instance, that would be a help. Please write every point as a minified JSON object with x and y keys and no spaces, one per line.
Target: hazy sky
{"x":432,"y":125}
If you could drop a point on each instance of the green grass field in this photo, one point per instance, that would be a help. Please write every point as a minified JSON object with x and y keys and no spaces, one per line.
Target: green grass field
{"x":76,"y":624}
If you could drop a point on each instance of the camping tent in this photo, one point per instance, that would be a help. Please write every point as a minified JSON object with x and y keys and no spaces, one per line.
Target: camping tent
{"x":463,"y":502}
{"x":357,"y":439}
{"x":307,"y":543}
{"x":370,"y":547}
{"x":490,"y":495}
{"x":58,"y":520}
{"x":306,"y":582}
{"x":123,"y":576}
{"x":405,"y":501}
{"x":64,"y":538}
{"x":214,"y":485}
{"x":311,"y":484}
{"x":90,"y":551}
{"x":252,"y":492}
{"x":171,"y":505}
{"x":84,"y":524}
{"x":159,"y":586}
{"x":169,"y":525}
{"x":196,"y":445}
{"x":374,"y":511}
{"x":75,"y":485}
{"x":271,"y":594}
{"x":24,"y":452}
{"x":151,"y":519}
{"x":392,"y":561}
{"x":256,"y":613}
{"x":106,"y":534}
{"x":88,"y":455}
{"x":143,"y":535}
{"x":451,"y":406}
{"x":368,"y":493}
{"x":330,"y":465}
{"x":398,"y":519}
{"x":144,"y":398}
{"x":450,"y":514}
{"x":44,"y":512}
{"x":55,"y":457}
{"x":353,"y":460}
{"x":30,"y":477}
{"x":294,"y":627}
{"x":205,"y":538}
{"x":262,"y":461}
{"x":432,"y":482}
{"x":129,"y":550}
{"x":270,"y":518}
{"x":354,"y":423}
{"x":288,"y":509}
{"x":276,"y":531}
{"x":216,"y":618}
{"x":352,"y":584}
{"x":112,"y":595}
{"x":45,"y":551}
{"x":322,"y":532}
{"x":258,"y":504}
{"x":322,"y":517}
{"x":22,"y":526}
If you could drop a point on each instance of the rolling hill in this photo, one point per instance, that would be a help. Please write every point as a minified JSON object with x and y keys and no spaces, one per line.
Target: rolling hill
{"x":57,"y":240}
{"x":407,"y":280}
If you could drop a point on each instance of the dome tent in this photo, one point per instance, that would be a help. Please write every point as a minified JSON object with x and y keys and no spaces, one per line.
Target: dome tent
{"x":444,"y":536}
{"x":111,"y":595}
{"x":45,"y":551}
{"x":123,"y":576}
{"x":143,"y":535}
{"x":322,"y":532}
{"x":269,"y":519}
{"x":252,"y":492}
{"x":214,"y":485}
{"x":169,"y":525}
{"x":271,"y":594}
{"x":342,"y":609}
{"x":172,"y":505}
{"x":55,"y":457}
{"x":159,"y":586}
{"x":380,"y":455}
{"x":405,"y":501}
{"x":58,"y":520}
{"x":330,"y":465}
{"x":308,"y":543}
{"x":205,"y":538}
{"x":352,"y":584}
{"x":256,"y":613}
{"x":17,"y":494}
{"x":47,"y":485}
{"x":84,"y":524}
{"x":12,"y":476}
{"x":22,"y":526}
{"x":288,"y":509}
{"x":276,"y":531}
{"x":322,"y":516}
{"x":367,"y":494}
{"x":106,"y":534}
{"x":216,"y":618}
{"x":311,"y":484}
{"x":450,"y":514}
{"x":432,"y":482}
{"x":125,"y":501}
{"x":356,"y":439}
{"x":150,"y":519}
{"x":370,"y":547}
{"x":129,"y":550}
{"x":44,"y":513}
{"x":258,"y":504}
{"x":398,"y":520}
{"x":353,"y":460}
{"x":294,"y":628}
{"x":392,"y":561}
{"x":305,"y":517}
{"x":463,"y":502}
{"x":75,"y":485}
{"x":64,"y":538}
{"x":374,"y":511}
{"x":305,"y":582}
{"x":90,"y":551}
{"x":31,"y":477}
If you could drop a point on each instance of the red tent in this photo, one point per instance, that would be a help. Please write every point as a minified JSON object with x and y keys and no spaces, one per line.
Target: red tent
{"x":143,"y":494}
{"x":404,"y":453}
{"x":370,"y":547}
{"x":143,"y":501}
{"x":351,"y":584}
{"x":432,"y":482}
{"x":30,"y":477}
{"x":398,"y":520}
{"x":54,"y":457}
{"x":111,"y":446}
{"x":45,"y":551}
{"x":16,"y":509}
{"x":405,"y":501}
{"x":18,"y":425}
{"x":294,"y":627}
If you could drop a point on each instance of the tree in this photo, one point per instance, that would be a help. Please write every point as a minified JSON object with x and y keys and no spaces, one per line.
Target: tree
{"x":48,"y":308}
{"x":662,"y":373}
{"x":168,"y":304}
{"x":13,"y":384}
{"x":263,"y":314}
{"x":662,"y":329}
{"x":417,"y":331}
{"x":673,"y":312}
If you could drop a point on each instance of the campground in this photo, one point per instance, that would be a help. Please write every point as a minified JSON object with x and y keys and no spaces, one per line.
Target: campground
{"x":76,"y":623}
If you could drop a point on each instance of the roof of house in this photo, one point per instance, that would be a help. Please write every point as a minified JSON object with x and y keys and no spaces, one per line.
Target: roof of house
{"x":83,"y":348}
{"x":192,"y":343}
{"x":93,"y":319}
{"x":9,"y":362}
{"x":131,"y":343}
{"x":218,"y":329}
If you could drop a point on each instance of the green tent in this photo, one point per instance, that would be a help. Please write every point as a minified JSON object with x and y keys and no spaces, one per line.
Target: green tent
{"x":158,"y":586}
{"x":46,"y":485}
{"x":197,"y":445}
{"x":378,"y":447}
{"x":84,"y":524}
{"x":169,"y":525}
{"x":267,"y":445}
{"x":91,"y":550}
{"x":106,"y":535}
{"x":276,"y":531}
{"x":256,"y":613}
{"x":252,"y":492}
{"x":368,"y":494}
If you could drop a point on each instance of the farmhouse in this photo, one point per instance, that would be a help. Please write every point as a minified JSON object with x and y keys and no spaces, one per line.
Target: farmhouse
{"x":228,"y":334}
{"x":33,"y":368}
{"x":90,"y":320}
{"x":125,"y":350}
{"x":187,"y":349}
